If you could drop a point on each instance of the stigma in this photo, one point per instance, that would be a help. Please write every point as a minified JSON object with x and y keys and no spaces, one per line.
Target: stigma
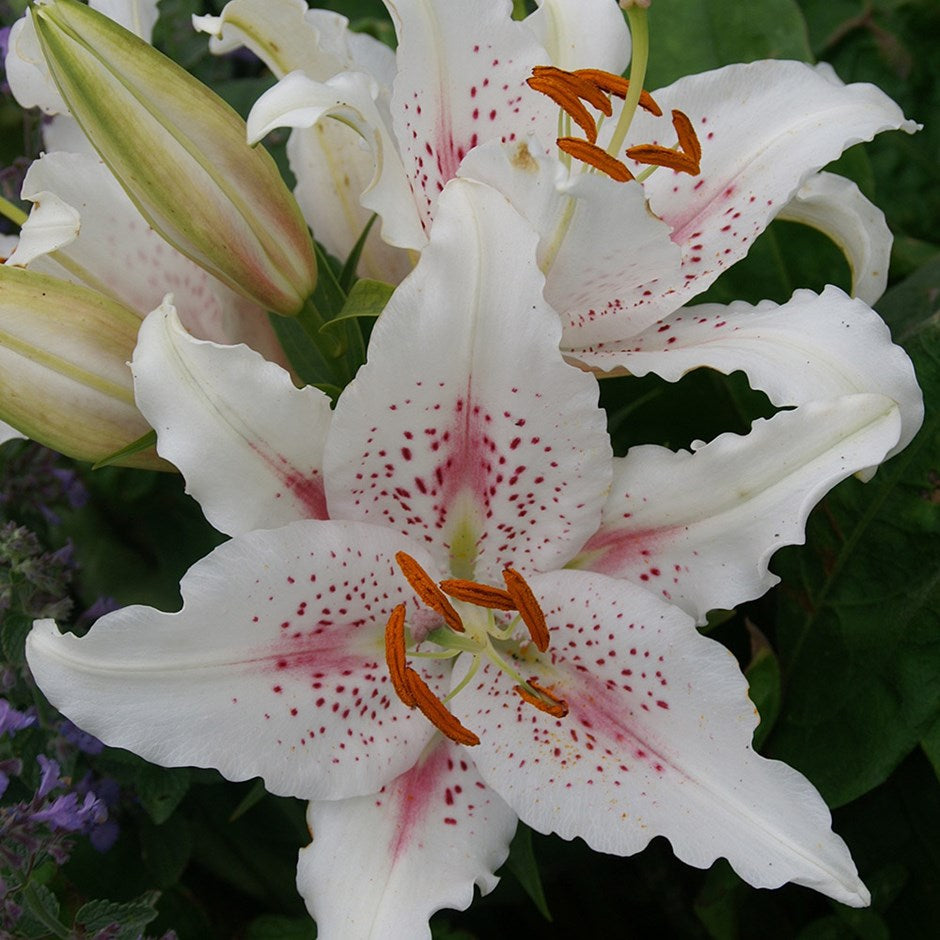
{"x":452,"y":636}
{"x":573,"y":91}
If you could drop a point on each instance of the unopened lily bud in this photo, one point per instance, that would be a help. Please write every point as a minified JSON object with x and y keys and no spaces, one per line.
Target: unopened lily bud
{"x":181,"y":154}
{"x":64,"y":378}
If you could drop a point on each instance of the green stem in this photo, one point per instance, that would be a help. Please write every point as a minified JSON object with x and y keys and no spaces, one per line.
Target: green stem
{"x":14,"y":213}
{"x":639,"y":33}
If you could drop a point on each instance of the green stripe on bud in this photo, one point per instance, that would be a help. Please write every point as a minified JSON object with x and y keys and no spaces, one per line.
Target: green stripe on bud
{"x":181,"y":154}
{"x":64,"y":378}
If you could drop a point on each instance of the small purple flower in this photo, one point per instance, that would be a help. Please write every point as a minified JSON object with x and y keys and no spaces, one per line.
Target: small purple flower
{"x":85,"y":742}
{"x":11,"y":767}
{"x":66,"y":812}
{"x":48,"y":776}
{"x":11,"y":720}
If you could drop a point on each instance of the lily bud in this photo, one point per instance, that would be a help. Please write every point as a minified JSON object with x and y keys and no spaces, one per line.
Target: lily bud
{"x":181,"y":154}
{"x":64,"y":378}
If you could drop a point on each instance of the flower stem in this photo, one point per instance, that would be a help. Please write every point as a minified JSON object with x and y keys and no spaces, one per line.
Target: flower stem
{"x":639,"y":32}
{"x":14,"y":213}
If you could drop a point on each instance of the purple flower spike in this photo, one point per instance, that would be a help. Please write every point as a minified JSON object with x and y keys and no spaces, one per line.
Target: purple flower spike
{"x":49,"y":775}
{"x":65,"y":812}
{"x":11,"y":720}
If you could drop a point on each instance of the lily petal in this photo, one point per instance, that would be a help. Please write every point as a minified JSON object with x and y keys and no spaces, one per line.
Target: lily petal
{"x":8,"y":433}
{"x":274,"y":666}
{"x":115,"y":251}
{"x":26,"y":70}
{"x":64,"y":380}
{"x":468,"y":454}
{"x":699,"y":528}
{"x":580,"y":34}
{"x":764,"y":128}
{"x":331,"y":166}
{"x":139,"y":16}
{"x":287,"y":35}
{"x":248,"y":442}
{"x":417,"y":846}
{"x":461,"y":81}
{"x":656,"y":742}
{"x":52,"y":224}
{"x":602,"y":252}
{"x":836,"y":207}
{"x":815,"y":346}
{"x":350,"y":97}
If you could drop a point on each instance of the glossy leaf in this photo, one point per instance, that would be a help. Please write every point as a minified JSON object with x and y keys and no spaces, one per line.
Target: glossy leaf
{"x":858,"y":636}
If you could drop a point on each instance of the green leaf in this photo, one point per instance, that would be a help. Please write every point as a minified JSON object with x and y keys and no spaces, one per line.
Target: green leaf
{"x":41,"y":913}
{"x":930,"y":743}
{"x":763,"y":677}
{"x":13,"y":630}
{"x":160,"y":790}
{"x":859,"y":631}
{"x":366,"y":299}
{"x":133,"y":916}
{"x":522,"y":864}
{"x":347,"y":276}
{"x":325,"y":358}
{"x":277,"y":927}
{"x":695,"y":37}
{"x":143,"y":442}
{"x":718,"y":903}
{"x":166,"y":848}
{"x":252,"y":798}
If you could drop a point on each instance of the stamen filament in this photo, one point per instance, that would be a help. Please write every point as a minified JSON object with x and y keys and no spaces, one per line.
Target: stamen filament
{"x":596,"y":157}
{"x":528,"y":608}
{"x":12,"y":212}
{"x":639,"y":35}
{"x":442,"y":654}
{"x":428,"y":591}
{"x":542,"y":699}
{"x":481,"y":595}
{"x":465,"y":681}
{"x":434,"y":710}
{"x":395,"y":655}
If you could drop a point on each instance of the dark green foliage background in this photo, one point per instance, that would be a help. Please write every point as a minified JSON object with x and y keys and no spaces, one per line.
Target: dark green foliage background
{"x":843,"y":657}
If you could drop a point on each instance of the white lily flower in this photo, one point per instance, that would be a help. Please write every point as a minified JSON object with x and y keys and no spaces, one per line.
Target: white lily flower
{"x":176,"y":148}
{"x":84,"y":230}
{"x":358,"y":655}
{"x":64,"y":379}
{"x":622,"y":254}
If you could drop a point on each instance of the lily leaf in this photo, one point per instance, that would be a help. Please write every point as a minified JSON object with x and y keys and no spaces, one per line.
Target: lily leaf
{"x":858,"y":636}
{"x":367,"y":298}
{"x":695,"y":37}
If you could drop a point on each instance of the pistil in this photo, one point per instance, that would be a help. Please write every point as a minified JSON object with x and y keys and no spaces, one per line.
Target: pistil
{"x":452,"y":637}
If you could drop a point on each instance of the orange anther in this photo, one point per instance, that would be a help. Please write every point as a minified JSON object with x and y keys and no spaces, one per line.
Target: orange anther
{"x":618,"y":86}
{"x":434,"y":710}
{"x":395,"y":655}
{"x":596,"y":157}
{"x":684,"y":160}
{"x":542,"y":699}
{"x":688,"y":139}
{"x":430,"y":594}
{"x":567,"y":92}
{"x":583,"y":87}
{"x":482,"y":595}
{"x":528,"y":608}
